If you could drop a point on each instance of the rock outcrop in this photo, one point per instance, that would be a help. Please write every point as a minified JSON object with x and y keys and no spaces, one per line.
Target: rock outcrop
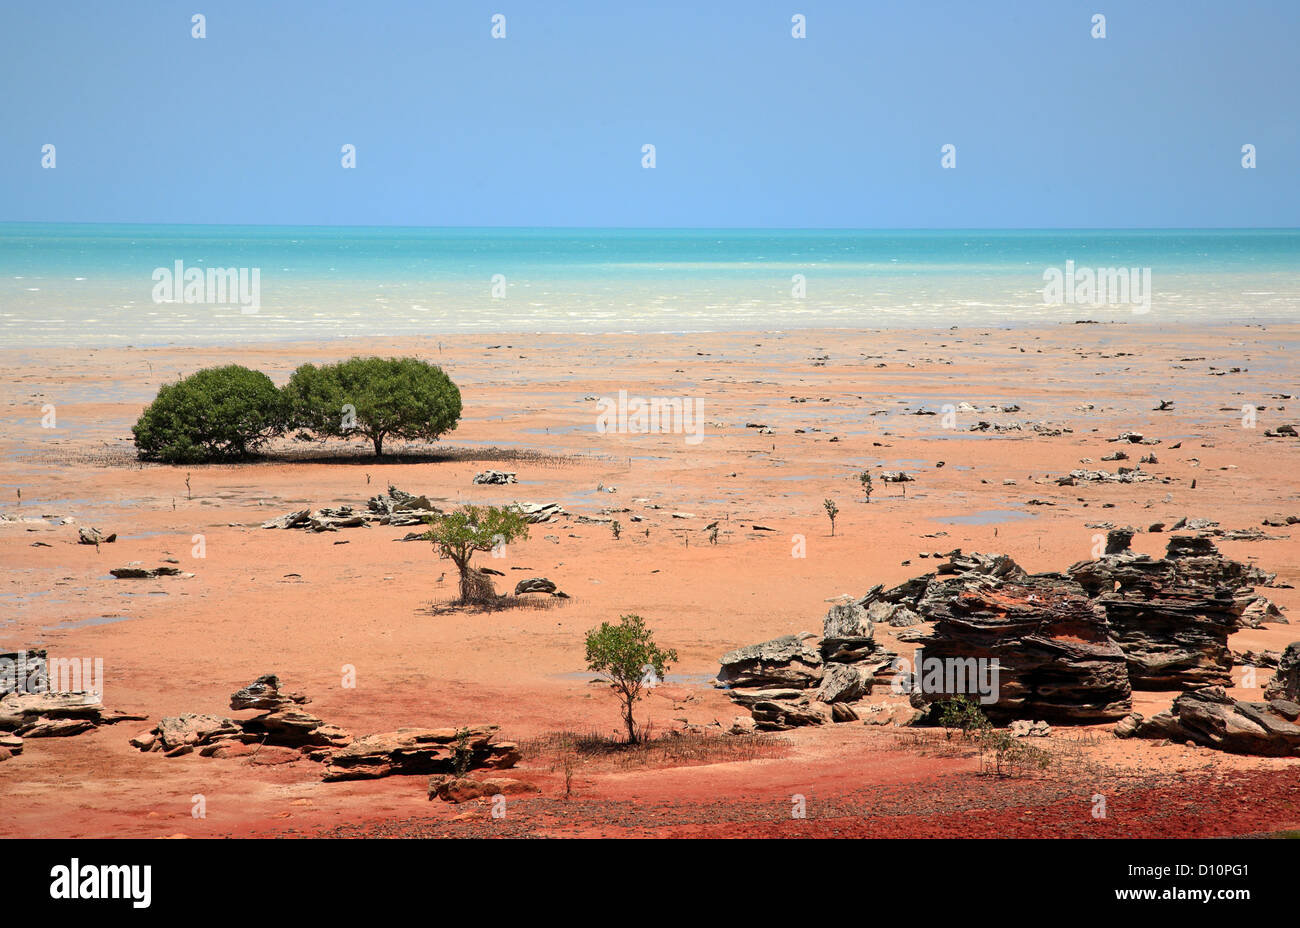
{"x":422,"y":751}
{"x":1121,"y":475}
{"x":1260,"y":612}
{"x":20,"y":669}
{"x":1172,"y":616}
{"x":29,"y":708}
{"x":1052,"y":646}
{"x":1022,"y":728}
{"x":1036,"y":646}
{"x":540,"y":512}
{"x":10,"y":746}
{"x":181,"y":734}
{"x":895,"y":615}
{"x":1286,"y":682}
{"x":534,"y":585}
{"x":293,"y":728}
{"x":789,"y":662}
{"x":798,"y":680}
{"x":281,"y":724}
{"x":264,"y":693}
{"x":777,"y":709}
{"x":284,"y":732}
{"x":93,"y":536}
{"x":848,"y":632}
{"x":1067,"y":647}
{"x":843,"y":683}
{"x":52,"y":715}
{"x":396,"y":507}
{"x":1210,"y":717}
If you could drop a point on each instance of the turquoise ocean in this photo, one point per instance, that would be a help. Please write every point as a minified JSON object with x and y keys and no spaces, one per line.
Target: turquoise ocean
{"x":95,"y":284}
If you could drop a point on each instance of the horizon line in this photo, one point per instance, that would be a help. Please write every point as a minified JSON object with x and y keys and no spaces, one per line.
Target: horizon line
{"x":701,"y":228}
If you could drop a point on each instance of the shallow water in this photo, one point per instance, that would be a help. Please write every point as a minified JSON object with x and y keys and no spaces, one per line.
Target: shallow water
{"x":985,"y":517}
{"x":84,"y":623}
{"x":94,"y":284}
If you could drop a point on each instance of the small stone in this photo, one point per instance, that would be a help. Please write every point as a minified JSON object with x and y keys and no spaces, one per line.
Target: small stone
{"x":742,"y":725}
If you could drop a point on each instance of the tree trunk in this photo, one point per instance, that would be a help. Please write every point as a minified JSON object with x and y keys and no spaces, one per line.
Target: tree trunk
{"x":462,"y":566}
{"x":627,"y":717}
{"x":379,"y":444}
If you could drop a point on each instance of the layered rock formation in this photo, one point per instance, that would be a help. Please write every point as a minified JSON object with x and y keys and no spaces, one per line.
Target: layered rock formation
{"x":1262,"y":612}
{"x":1068,"y":647}
{"x":29,"y":709}
{"x":1172,"y":616}
{"x":281,"y":724}
{"x":286,"y":732}
{"x":1210,"y":717}
{"x":776,"y":709}
{"x":790,"y":661}
{"x":264,"y":693}
{"x":19,"y":668}
{"x":52,"y":715}
{"x":422,"y":750}
{"x":1286,"y":682}
{"x":798,"y":680}
{"x":396,"y":507}
{"x":1038,"y":646}
{"x":182,"y":734}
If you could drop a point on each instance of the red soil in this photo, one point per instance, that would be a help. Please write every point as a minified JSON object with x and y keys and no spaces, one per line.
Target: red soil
{"x":305,"y":607}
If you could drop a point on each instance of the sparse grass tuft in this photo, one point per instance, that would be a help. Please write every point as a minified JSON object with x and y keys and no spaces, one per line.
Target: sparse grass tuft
{"x":1063,"y":755}
{"x":501,"y":603}
{"x":1002,"y":755}
{"x":597,"y":750}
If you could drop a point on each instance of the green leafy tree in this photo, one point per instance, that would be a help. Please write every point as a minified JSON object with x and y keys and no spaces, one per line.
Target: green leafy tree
{"x":963,"y":714}
{"x":463,"y":758}
{"x":864,"y":478}
{"x":459,"y":535}
{"x":217,"y":414}
{"x":625,"y":654}
{"x":376,"y":398}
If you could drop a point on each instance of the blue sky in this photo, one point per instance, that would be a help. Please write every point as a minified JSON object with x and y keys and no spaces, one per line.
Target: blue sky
{"x":753,"y":128}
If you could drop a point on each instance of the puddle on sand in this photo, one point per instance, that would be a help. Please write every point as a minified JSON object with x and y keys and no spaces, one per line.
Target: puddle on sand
{"x":560,"y":429}
{"x":986,"y":517}
{"x":83,"y":623}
